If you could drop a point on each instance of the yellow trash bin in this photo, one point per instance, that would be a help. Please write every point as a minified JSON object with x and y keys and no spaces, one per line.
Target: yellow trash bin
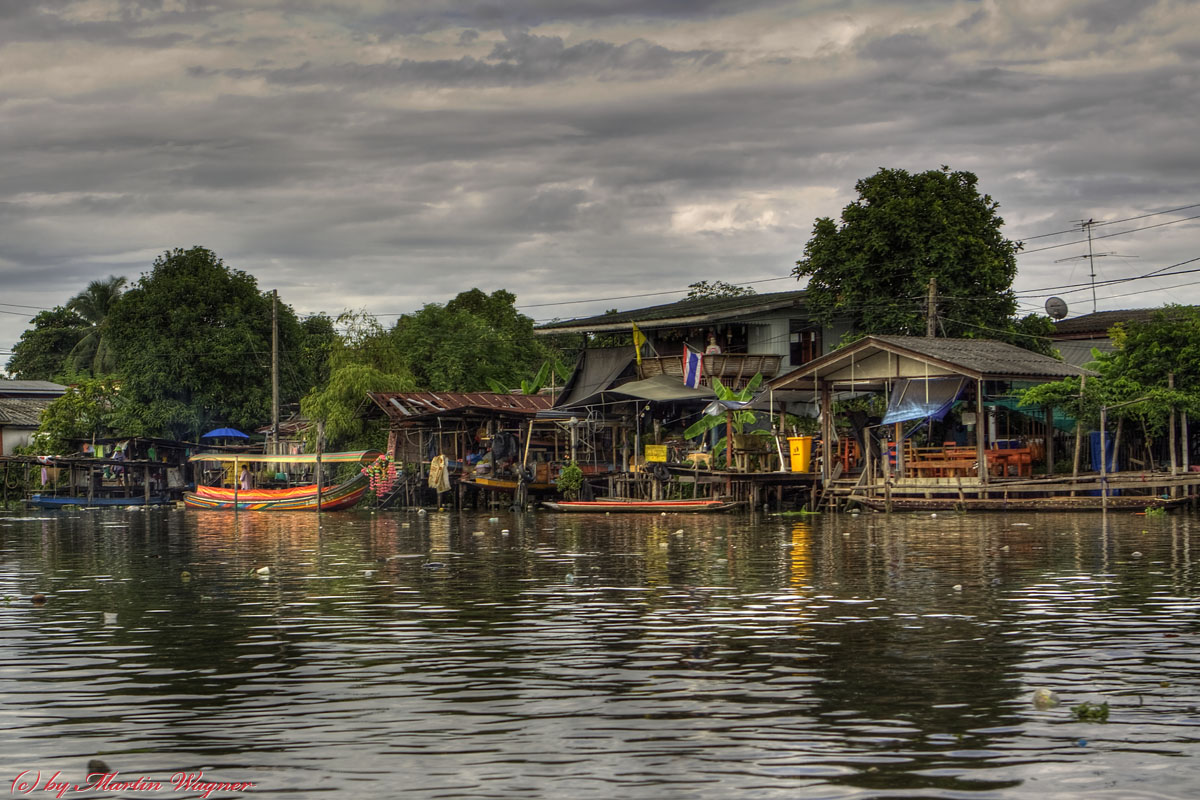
{"x":801,"y":452}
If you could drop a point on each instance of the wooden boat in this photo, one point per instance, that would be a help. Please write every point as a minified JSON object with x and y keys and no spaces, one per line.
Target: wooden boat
{"x":294,"y":498}
{"x":62,"y":501}
{"x":623,"y":505}
{"x":509,"y":485}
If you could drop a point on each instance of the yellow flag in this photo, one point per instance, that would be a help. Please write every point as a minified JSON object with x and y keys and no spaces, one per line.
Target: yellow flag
{"x":639,"y":339}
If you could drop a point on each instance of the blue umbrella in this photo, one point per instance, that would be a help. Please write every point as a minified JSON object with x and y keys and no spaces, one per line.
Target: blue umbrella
{"x":225,"y":433}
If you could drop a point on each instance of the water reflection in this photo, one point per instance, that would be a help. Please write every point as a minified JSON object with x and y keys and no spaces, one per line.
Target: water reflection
{"x":530,"y":655}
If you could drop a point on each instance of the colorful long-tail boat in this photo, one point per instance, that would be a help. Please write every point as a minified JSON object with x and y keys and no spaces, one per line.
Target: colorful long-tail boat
{"x":334,"y":497}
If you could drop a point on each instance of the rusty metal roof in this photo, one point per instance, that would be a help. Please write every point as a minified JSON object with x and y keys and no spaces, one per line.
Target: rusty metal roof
{"x":401,"y":406}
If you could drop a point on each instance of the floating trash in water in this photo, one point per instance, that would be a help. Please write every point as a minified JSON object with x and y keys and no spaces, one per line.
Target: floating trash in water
{"x":185,"y":576}
{"x":1082,"y":742}
{"x":493,"y":520}
{"x":678,"y":532}
{"x":1044,"y":699}
{"x":38,"y":599}
{"x":1136,"y":554}
{"x":263,"y":571}
{"x":504,"y":531}
{"x":478,"y":533}
{"x":110,"y":618}
{"x":958,"y":587}
{"x":1091,"y":712}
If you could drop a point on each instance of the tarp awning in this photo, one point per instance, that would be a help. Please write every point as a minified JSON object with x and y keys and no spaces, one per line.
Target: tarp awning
{"x":922,"y":399}
{"x":663,"y":388}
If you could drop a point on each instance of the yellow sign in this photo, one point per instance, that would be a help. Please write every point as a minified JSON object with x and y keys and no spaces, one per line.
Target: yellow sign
{"x":656,"y":452}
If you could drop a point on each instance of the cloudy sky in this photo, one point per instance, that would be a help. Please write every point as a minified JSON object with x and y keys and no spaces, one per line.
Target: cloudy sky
{"x":381,"y":155}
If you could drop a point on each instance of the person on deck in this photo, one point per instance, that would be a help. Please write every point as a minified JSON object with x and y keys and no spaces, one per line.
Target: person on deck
{"x":245,"y":479}
{"x":713,"y":348}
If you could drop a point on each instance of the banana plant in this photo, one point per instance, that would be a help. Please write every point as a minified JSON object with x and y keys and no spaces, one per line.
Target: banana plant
{"x":529,"y":386}
{"x":738,"y":419}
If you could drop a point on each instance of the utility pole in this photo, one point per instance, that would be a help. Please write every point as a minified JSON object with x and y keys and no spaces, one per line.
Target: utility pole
{"x":275,"y":371}
{"x":931,"y":310}
{"x":1087,"y":226}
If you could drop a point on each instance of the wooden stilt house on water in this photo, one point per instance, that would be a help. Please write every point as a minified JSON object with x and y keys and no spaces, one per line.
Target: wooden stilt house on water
{"x":944,"y":440}
{"x":473,"y":444}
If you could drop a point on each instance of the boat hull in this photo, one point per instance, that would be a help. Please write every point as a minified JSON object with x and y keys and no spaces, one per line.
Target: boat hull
{"x":61,"y":501}
{"x":611,"y":506}
{"x":298,"y":498}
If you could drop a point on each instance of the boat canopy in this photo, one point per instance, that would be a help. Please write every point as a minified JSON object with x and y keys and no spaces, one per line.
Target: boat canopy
{"x":299,"y":458}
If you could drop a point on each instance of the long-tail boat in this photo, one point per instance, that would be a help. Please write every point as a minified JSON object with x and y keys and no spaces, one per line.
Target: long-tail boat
{"x":304,"y":497}
{"x":614,"y":505}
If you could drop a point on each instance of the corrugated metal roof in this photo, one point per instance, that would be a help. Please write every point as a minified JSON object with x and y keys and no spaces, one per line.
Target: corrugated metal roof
{"x":985,"y":356}
{"x":407,"y":405}
{"x":46,"y":388}
{"x":682,"y":312}
{"x":1100,"y":321}
{"x":874,"y":359}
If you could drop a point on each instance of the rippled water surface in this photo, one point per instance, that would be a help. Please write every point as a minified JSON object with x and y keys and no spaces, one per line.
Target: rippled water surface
{"x":614,"y":656}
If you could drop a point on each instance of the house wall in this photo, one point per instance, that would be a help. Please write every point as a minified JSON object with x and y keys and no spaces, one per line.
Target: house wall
{"x":12,"y":437}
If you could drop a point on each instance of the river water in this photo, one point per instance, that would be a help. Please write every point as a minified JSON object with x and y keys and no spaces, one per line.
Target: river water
{"x":625,"y":656}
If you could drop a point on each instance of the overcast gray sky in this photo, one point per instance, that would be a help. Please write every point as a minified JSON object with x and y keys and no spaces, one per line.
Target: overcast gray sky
{"x":382,"y":155}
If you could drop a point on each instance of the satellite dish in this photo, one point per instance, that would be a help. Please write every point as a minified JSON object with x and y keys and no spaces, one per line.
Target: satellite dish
{"x":1056,"y":307}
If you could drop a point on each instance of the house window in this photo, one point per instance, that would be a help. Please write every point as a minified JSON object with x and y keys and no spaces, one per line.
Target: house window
{"x":805,"y":342}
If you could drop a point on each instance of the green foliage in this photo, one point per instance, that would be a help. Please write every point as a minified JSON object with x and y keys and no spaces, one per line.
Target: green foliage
{"x":1133,"y":380}
{"x":739,"y":418}
{"x":318,"y":341}
{"x":193,"y":341}
{"x":1091,"y":712}
{"x":474,"y":338}
{"x":704,"y":290}
{"x":82,"y":413}
{"x":570,"y":481}
{"x":341,"y":401}
{"x":903,"y":230}
{"x":94,"y":354}
{"x":41,"y":354}
{"x":549,"y":368}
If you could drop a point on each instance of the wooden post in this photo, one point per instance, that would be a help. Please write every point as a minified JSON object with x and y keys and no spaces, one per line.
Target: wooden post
{"x":1049,"y":441}
{"x":1103,"y":460}
{"x":981,"y":434}
{"x":145,"y":482}
{"x":1078,"y":439}
{"x":1171,"y":430}
{"x":826,"y":433}
{"x":320,"y":450}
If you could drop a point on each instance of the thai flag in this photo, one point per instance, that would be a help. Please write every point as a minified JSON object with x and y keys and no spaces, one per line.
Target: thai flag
{"x":693,"y":366}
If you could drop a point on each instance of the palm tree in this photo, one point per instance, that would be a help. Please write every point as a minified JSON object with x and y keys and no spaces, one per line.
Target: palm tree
{"x":92,"y":353}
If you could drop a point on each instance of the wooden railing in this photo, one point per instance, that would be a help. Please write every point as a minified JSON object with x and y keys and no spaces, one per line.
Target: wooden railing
{"x":734,"y":369}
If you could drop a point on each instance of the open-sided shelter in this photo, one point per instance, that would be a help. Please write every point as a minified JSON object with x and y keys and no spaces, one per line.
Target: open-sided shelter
{"x":893,"y":364}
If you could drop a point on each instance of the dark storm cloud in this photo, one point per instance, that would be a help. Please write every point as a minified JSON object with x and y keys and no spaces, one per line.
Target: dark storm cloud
{"x":353,"y":157}
{"x":522,"y":60}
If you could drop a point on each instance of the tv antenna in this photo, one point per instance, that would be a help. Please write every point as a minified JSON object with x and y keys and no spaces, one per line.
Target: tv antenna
{"x":1087,"y":224}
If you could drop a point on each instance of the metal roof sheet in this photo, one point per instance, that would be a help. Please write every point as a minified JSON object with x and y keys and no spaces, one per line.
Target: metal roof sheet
{"x":406,"y":405}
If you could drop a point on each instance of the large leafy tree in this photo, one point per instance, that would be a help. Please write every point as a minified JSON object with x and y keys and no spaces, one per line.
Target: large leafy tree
{"x":904,"y":230}
{"x":193,"y":340}
{"x":93,"y":354}
{"x":474,"y":339}
{"x":362,"y":358}
{"x":1155,"y":368}
{"x":82,"y":413}
{"x":41,"y":354}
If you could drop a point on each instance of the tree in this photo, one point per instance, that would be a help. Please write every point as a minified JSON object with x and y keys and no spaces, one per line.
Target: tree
{"x":193,"y":341}
{"x":83,"y":412}
{"x":362,"y":359}
{"x":705,"y":290}
{"x":475,"y":338}
{"x":903,"y":231}
{"x":1154,"y":369}
{"x":93,"y":355}
{"x":41,"y":354}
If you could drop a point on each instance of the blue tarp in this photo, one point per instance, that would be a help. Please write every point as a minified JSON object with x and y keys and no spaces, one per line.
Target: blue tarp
{"x":919,"y":398}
